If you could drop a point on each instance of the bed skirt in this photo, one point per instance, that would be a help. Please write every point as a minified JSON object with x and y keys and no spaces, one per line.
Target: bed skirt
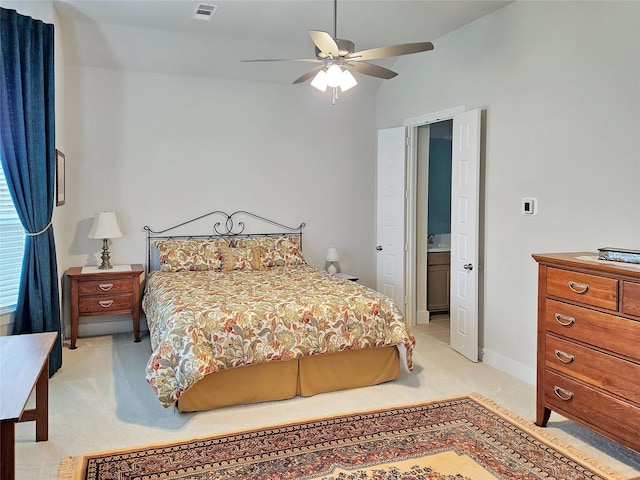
{"x":281,"y":380}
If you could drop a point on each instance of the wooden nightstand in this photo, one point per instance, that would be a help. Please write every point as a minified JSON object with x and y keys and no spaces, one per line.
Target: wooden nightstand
{"x":346,"y":276}
{"x":105,"y":292}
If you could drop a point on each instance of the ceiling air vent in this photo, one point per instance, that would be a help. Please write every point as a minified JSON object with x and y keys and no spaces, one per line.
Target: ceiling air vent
{"x":204,"y":12}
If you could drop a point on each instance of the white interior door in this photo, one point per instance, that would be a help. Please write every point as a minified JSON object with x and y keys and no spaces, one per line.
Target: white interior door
{"x":390,"y":213}
{"x":465,"y":224}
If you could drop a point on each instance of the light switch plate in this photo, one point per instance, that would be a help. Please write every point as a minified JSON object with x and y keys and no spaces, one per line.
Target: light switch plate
{"x":529,"y":206}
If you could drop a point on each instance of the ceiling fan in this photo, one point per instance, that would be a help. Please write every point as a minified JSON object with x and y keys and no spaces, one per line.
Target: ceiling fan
{"x":337,"y":57}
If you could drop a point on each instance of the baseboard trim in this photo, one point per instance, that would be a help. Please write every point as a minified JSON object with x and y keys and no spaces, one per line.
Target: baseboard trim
{"x":508,"y":366}
{"x":422,"y":317}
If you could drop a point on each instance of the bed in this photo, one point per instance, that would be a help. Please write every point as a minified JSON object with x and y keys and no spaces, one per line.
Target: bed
{"x":238,"y":318}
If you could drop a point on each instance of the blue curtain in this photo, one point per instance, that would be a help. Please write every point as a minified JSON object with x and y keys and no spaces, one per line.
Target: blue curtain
{"x":28,"y":153}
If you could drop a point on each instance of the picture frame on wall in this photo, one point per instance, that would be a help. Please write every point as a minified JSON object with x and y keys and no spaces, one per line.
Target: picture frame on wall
{"x":60,"y":188}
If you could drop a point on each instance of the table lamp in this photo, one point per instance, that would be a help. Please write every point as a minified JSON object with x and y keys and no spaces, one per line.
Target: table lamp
{"x":105,"y":226}
{"x":333,"y":259}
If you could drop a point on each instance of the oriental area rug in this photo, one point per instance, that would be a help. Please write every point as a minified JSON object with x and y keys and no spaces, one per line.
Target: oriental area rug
{"x":461,"y":438}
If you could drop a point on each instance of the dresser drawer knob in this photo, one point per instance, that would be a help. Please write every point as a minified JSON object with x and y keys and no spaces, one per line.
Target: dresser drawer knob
{"x":105,"y":287}
{"x":578,"y":288}
{"x":105,"y":303}
{"x":564,"y":357}
{"x":564,"y":320}
{"x":563,"y":394}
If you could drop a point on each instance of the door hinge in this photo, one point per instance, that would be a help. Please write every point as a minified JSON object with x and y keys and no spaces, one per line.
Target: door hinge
{"x":406,"y":141}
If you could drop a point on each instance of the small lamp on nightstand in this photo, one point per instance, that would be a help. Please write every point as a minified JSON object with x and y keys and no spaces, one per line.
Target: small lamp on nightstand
{"x":105,"y":226}
{"x":332,"y":259}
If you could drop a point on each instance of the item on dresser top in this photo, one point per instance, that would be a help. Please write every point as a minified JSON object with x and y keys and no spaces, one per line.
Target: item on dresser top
{"x":619,"y":255}
{"x":588,"y":344}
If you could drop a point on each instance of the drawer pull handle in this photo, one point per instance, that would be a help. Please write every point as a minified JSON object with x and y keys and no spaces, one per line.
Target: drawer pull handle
{"x":563,"y":394}
{"x":105,"y":303}
{"x":578,"y":288}
{"x":105,"y":287}
{"x":564,"y":357}
{"x":564,"y":320}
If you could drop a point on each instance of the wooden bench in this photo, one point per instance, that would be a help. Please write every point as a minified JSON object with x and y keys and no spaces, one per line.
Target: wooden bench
{"x":24,"y":364}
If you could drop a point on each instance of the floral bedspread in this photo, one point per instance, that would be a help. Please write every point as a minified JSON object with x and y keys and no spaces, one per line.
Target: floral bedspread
{"x":203,"y":322}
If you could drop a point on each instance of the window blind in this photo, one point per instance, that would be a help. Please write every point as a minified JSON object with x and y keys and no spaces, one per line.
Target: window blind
{"x":11,"y":249}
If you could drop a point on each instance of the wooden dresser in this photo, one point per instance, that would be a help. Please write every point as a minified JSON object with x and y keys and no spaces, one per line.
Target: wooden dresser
{"x":589,"y":344}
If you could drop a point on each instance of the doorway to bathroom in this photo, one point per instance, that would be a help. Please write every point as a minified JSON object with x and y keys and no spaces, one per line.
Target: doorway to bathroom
{"x":397,"y":187}
{"x":434,"y":150}
{"x":464,"y":222}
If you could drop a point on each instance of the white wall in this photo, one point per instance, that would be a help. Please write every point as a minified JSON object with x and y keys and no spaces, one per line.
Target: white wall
{"x":560,"y":85}
{"x":159,"y":149}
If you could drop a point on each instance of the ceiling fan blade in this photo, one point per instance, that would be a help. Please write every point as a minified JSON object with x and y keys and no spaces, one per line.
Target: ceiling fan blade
{"x":325,"y":42}
{"x":308,"y":75}
{"x":391,"y":51}
{"x":309,"y":60}
{"x":372,"y":70}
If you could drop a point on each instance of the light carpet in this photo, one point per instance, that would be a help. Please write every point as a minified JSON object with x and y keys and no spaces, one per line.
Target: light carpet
{"x":461,"y":438}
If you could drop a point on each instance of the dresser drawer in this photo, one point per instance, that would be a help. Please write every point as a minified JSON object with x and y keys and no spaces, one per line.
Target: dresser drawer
{"x":608,"y":332}
{"x":605,"y":413}
{"x":583,"y":288}
{"x":596,"y":368}
{"x":104,"y":305}
{"x":105,"y":287}
{"x":631,"y":298}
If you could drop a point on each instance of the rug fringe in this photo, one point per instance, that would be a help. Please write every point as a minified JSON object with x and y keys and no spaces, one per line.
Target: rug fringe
{"x":67,"y":469}
{"x":549,"y":438}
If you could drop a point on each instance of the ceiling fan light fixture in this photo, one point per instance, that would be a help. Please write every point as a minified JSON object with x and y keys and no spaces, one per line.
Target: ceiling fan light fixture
{"x":320,"y":81}
{"x":334,"y":75}
{"x":337,"y":56}
{"x":347,"y":81}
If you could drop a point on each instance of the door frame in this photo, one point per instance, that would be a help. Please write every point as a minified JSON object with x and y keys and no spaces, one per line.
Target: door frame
{"x":412,"y":124}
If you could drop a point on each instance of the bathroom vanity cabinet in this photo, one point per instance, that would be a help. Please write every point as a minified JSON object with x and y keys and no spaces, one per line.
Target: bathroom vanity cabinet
{"x":438,"y":275}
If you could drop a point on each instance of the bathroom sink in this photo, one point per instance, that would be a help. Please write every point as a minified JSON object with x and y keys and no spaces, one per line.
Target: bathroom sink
{"x":439,"y":243}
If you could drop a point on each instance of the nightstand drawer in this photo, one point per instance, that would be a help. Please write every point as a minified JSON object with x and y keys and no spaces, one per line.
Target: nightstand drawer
{"x":105,"y":304}
{"x":104,"y":287}
{"x":583,"y":288}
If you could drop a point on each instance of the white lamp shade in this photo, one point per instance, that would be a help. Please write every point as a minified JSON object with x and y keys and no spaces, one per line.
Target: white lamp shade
{"x":332,"y":255}
{"x":320,"y":81}
{"x":105,"y":225}
{"x":347,"y":81}
{"x":334,"y":75}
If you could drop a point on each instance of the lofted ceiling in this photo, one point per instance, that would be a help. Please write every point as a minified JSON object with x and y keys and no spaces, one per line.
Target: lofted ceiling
{"x":161,"y":35}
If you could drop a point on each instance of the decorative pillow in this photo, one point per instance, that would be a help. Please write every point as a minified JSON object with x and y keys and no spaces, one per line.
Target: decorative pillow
{"x":241,"y":257}
{"x":276,"y":250}
{"x":189,"y":255}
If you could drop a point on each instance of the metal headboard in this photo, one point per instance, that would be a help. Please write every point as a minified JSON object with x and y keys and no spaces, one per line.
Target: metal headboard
{"x":226,"y":226}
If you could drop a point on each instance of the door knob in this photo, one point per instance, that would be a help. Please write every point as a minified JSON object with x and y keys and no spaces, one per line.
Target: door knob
{"x":468,"y":266}
{"x":379,"y":248}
